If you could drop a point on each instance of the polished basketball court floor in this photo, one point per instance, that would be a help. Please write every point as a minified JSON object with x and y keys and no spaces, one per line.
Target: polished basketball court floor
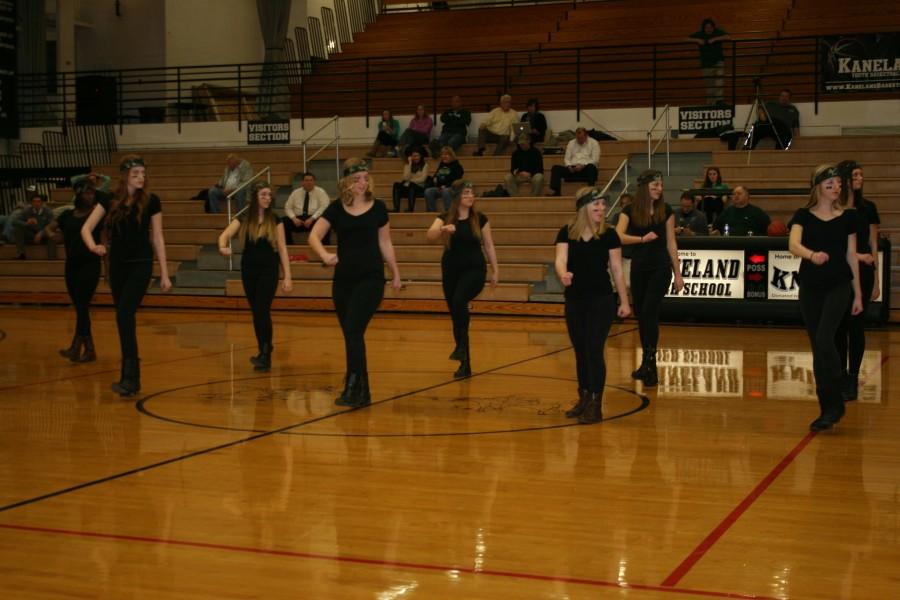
{"x":219,"y":482}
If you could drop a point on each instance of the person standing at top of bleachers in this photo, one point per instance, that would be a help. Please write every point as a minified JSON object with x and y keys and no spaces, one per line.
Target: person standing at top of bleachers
{"x":497,"y":128}
{"x":712,"y":58}
{"x":237,"y":173}
{"x":456,"y":121}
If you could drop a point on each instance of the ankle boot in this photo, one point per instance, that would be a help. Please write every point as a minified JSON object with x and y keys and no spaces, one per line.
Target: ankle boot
{"x":263,"y":362}
{"x":359,"y":395}
{"x":850,"y":386}
{"x":89,"y":354}
{"x":583,"y":397}
{"x":593,"y":409}
{"x":650,"y":376}
{"x":831,"y":406}
{"x":130,"y":384}
{"x":457,"y":353}
{"x":74,"y":348}
{"x":641,"y":371}
{"x":347,"y":397}
{"x":465,"y":367}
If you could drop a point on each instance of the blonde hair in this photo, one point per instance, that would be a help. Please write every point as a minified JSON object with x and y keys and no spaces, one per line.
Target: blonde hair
{"x":346,"y":182}
{"x":449,"y":151}
{"x":251,"y":227}
{"x":582,"y":221}
{"x":814,"y":191}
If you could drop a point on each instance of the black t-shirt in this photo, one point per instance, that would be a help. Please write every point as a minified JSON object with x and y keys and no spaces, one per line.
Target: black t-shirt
{"x":465,"y":249}
{"x":651,"y":255}
{"x":259,"y":253}
{"x":830,"y":237}
{"x":70,"y":225}
{"x":359,"y":254}
{"x":589,"y":261}
{"x":863,"y":217}
{"x":129,"y":239}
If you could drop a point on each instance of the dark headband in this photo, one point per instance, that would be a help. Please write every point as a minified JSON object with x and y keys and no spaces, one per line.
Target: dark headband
{"x":846,"y":168}
{"x":131,"y":163}
{"x":356,"y":169}
{"x":82,"y":185}
{"x":646,"y":178}
{"x":591,"y":196}
{"x":825,"y":174}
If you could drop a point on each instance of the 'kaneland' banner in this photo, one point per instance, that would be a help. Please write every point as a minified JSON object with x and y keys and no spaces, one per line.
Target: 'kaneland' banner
{"x":865,"y":62}
{"x":694,"y":119}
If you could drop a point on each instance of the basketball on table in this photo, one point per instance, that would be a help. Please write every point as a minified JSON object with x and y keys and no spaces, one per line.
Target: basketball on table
{"x":777,"y":228}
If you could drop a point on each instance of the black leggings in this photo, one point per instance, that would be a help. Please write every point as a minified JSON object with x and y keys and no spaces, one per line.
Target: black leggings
{"x":81,"y":282}
{"x":260,"y":284}
{"x":851,"y":335}
{"x":822,"y":312}
{"x":461,"y":286}
{"x":356,"y":301}
{"x":648,"y":288}
{"x":128,"y":283}
{"x":588,"y":319}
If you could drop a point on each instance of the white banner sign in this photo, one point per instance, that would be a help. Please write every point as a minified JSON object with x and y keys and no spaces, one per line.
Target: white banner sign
{"x":783,"y":270}
{"x":711,"y":274}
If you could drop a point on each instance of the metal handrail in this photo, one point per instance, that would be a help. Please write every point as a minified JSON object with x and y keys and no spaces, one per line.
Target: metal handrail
{"x":623,"y":165}
{"x":666,"y":136}
{"x":268,"y":172}
{"x":336,"y":140}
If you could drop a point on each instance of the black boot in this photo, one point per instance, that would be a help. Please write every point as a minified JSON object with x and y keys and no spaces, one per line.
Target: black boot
{"x":73,"y":350}
{"x":457,"y":353}
{"x":89,"y":354}
{"x":831,"y":406}
{"x":641,"y":371}
{"x":263,"y":362}
{"x":465,"y":367}
{"x":359,"y":395}
{"x":850,"y":386}
{"x":650,"y":376}
{"x":351,"y":384}
{"x":593,"y":409}
{"x":583,"y":397}
{"x":130,"y":384}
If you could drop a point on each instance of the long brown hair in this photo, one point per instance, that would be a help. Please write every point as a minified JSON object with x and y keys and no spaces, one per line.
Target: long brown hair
{"x":453,"y":215}
{"x":646,"y":211}
{"x":849,"y":197}
{"x":346,"y":182}
{"x":120,"y":207}
{"x":251,"y":227}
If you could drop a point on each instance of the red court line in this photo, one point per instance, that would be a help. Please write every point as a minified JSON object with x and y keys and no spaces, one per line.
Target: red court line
{"x":703,"y":547}
{"x":386,"y":563}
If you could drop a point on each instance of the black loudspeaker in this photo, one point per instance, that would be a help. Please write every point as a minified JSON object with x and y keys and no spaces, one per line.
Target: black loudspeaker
{"x":95,"y":100}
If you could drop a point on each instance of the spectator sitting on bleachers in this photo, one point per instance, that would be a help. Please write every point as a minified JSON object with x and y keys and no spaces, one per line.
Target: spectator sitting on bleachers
{"x":536,"y":121}
{"x":418,"y":133}
{"x":456,"y":121}
{"x":741,"y":217}
{"x":784,"y":125}
{"x":30,"y":227}
{"x":237,"y":173}
{"x":303,"y":208}
{"x":388,"y":136}
{"x":581,"y":162}
{"x":415,"y":175}
{"x":498,"y":127}
{"x":527,"y":165}
{"x":447,"y":173}
{"x":712,"y":59}
{"x":689,"y":220}
{"x":712,"y":206}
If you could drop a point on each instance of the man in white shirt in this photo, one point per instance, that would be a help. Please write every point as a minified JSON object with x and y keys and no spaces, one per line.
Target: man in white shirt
{"x":303,"y":208}
{"x":581,"y":163}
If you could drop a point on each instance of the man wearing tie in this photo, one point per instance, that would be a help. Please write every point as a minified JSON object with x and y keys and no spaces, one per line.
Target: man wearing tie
{"x":303,"y":207}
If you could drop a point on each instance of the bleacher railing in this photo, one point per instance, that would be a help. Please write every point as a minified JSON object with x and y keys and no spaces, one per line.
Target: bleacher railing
{"x":570,"y":78}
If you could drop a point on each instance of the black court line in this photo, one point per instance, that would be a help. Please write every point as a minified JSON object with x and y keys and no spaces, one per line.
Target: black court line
{"x":142,"y":408}
{"x":169,"y":461}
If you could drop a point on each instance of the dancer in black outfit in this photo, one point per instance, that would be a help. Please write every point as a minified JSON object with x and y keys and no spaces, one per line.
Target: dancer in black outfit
{"x":824,"y":237}
{"x":584,"y":249}
{"x":82,"y":268}
{"x":263,"y":248}
{"x":364,"y":245}
{"x":463,"y":268}
{"x":851,"y":335}
{"x":134,"y":230}
{"x":650,"y":224}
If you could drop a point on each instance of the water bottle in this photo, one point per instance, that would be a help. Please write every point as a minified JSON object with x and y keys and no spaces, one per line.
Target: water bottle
{"x":726,"y":231}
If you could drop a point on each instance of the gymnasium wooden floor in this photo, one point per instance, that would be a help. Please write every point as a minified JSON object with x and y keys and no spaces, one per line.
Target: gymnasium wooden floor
{"x":224,"y":483}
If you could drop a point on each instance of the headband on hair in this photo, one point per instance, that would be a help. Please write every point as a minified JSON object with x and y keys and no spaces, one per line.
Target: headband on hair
{"x":846,"y":168}
{"x":82,"y":184}
{"x":825,"y":175}
{"x":589,"y":197}
{"x":646,"y":178}
{"x":131,"y":163}
{"x":356,"y":169}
